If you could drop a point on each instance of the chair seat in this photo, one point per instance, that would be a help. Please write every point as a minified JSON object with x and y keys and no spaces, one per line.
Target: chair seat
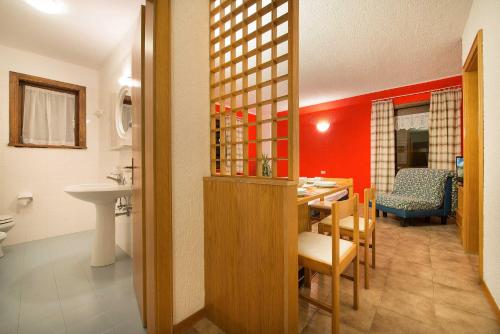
{"x":405,"y":202}
{"x":347,"y":223}
{"x":318,"y":247}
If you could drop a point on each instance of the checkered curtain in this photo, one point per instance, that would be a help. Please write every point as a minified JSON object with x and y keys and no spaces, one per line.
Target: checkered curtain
{"x":445,"y":128}
{"x":382,"y":146}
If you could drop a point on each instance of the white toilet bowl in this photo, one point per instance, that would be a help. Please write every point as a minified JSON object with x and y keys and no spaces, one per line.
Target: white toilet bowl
{"x":6,"y":223}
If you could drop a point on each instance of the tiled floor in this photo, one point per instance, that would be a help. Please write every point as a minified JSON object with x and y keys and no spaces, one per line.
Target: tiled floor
{"x":423,"y":283}
{"x":48,"y":286}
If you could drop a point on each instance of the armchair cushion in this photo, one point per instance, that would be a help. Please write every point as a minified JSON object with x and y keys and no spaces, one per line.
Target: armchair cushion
{"x":402,"y":202}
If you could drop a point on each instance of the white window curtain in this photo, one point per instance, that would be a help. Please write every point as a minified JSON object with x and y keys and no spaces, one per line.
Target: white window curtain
{"x":239,"y":147}
{"x":445,"y":137}
{"x":413,"y":121}
{"x":382,"y":145}
{"x":48,"y":117}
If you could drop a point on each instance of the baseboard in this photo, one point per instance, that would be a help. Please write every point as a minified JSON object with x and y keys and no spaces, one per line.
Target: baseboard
{"x":491,"y":300}
{"x":189,"y":322}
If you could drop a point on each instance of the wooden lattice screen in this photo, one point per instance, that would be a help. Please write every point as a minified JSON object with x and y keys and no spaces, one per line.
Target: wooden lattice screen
{"x":253,"y":88}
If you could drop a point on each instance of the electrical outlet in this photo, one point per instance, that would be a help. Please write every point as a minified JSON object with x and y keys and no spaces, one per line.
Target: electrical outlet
{"x":323,"y":172}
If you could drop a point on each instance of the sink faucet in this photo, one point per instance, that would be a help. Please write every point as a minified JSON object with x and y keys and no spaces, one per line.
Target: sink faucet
{"x":117,"y":177}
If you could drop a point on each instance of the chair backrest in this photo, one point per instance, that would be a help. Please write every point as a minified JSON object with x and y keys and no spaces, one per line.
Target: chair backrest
{"x":337,"y":196}
{"x":349,"y":182}
{"x":449,"y":195}
{"x":423,"y":183}
{"x":343,"y":209}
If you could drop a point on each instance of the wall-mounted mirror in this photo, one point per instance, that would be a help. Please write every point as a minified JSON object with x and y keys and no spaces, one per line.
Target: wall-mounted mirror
{"x":123,"y":113}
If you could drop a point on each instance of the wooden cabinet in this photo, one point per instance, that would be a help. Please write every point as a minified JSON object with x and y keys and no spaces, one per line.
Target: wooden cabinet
{"x":460,"y":212}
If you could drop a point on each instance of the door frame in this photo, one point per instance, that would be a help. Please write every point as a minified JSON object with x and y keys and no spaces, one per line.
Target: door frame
{"x":474,"y":102}
{"x":157,"y":171}
{"x":138,"y":228}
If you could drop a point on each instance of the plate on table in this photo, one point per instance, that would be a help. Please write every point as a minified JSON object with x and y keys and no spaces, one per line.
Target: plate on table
{"x":301,"y":191}
{"x":325,"y":184}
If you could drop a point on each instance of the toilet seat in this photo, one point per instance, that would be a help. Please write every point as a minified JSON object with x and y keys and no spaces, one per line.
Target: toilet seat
{"x":4,"y":219}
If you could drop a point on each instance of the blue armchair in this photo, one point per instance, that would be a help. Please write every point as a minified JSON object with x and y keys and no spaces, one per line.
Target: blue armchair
{"x":419,"y":192}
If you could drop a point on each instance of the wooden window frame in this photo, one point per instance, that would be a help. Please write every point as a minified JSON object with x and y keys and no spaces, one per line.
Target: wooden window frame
{"x":16,"y":93}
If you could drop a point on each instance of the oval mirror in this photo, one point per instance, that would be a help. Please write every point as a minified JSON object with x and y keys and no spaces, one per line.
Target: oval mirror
{"x":124,"y":112}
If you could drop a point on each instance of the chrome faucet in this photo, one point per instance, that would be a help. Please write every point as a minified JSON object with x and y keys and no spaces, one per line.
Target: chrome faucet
{"x":117,"y":177}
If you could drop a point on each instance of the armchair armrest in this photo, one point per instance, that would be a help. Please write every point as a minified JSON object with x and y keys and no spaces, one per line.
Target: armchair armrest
{"x":448,"y":189}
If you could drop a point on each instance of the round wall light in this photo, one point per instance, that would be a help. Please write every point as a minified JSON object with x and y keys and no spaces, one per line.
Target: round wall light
{"x":322,"y":126}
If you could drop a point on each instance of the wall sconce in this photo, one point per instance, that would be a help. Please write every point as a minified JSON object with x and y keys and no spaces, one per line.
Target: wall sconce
{"x":128,"y":81}
{"x":322,"y":126}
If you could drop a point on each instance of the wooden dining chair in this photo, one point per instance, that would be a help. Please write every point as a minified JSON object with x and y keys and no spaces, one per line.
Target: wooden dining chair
{"x":322,"y":207}
{"x":331,"y":255}
{"x":367,"y":225}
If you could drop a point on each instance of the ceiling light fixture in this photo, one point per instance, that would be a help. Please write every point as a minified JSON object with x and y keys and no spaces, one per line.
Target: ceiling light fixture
{"x":48,"y":6}
{"x":322,"y":126}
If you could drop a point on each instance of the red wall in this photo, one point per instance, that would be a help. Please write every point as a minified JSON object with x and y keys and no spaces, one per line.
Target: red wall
{"x":344,"y":149}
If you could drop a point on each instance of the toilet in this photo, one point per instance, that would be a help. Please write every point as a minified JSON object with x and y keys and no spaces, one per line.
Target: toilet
{"x":6,"y":223}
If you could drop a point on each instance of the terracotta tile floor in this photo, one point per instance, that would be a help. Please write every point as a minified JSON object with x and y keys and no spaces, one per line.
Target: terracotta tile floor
{"x":424,"y":283}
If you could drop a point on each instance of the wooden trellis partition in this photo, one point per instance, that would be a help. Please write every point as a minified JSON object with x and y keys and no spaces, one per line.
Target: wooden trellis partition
{"x":253,"y":87}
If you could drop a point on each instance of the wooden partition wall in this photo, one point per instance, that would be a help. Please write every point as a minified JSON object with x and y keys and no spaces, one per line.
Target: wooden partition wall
{"x":250,"y":199}
{"x":253,"y":92}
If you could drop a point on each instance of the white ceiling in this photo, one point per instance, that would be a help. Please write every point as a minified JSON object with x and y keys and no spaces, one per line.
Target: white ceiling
{"x":84,"y":35}
{"x":347,"y":47}
{"x":351,"y":47}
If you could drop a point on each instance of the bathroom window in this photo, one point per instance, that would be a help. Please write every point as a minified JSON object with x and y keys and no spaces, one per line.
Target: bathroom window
{"x":46,"y":113}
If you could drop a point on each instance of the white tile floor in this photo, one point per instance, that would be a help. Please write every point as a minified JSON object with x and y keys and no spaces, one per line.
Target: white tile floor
{"x":48,"y":286}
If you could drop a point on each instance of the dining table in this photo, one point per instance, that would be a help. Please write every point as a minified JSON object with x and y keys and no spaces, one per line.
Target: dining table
{"x":312,"y":193}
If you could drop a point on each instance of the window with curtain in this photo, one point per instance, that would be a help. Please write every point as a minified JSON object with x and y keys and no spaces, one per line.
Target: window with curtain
{"x":412,"y":135}
{"x":46,"y":113}
{"x":48,"y":117}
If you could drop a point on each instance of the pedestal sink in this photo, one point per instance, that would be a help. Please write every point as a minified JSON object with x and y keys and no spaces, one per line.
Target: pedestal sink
{"x":104,"y":196}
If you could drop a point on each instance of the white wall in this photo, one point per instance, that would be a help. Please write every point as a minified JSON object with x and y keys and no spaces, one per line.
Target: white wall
{"x":485,"y":14}
{"x":190,"y":122}
{"x":117,"y":65}
{"x":46,"y":172}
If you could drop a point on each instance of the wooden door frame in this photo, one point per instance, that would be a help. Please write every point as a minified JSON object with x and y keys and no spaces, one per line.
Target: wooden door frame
{"x":473,"y":63}
{"x":138,"y":229}
{"x":157,"y":168}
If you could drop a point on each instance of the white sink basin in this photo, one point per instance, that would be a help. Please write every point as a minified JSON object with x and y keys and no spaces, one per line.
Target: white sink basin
{"x":104,"y":196}
{"x":98,"y":192}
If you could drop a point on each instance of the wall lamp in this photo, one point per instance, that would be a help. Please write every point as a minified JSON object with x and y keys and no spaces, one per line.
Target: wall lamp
{"x":322,"y":126}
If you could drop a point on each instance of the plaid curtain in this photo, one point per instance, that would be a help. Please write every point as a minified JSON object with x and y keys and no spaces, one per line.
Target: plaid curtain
{"x":382,"y":146}
{"x":445,"y":129}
